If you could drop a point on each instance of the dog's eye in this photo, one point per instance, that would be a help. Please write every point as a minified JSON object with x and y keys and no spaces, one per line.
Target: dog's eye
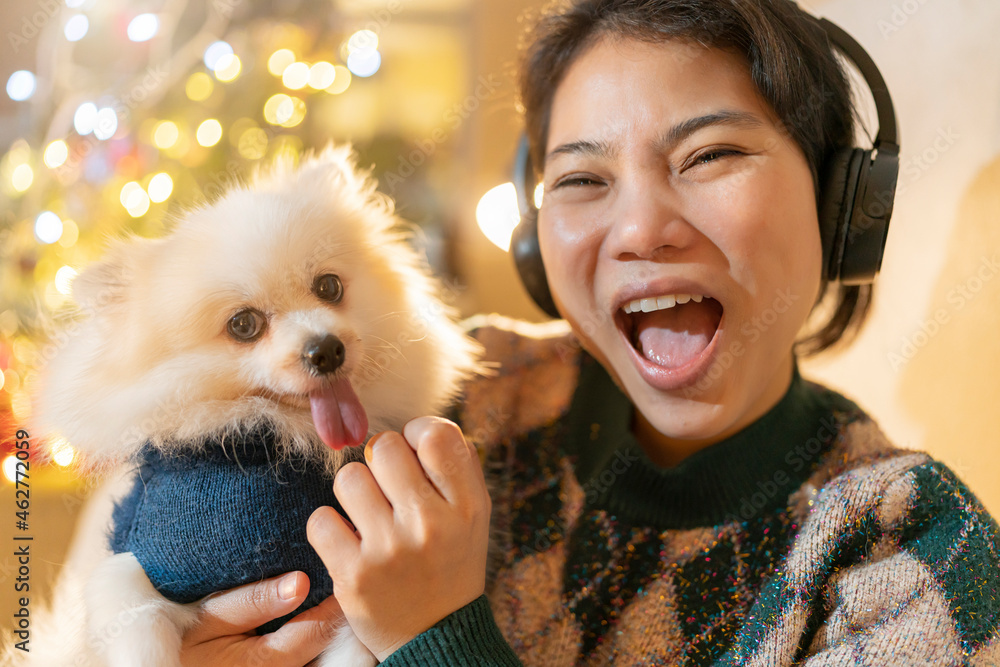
{"x":329,"y":288}
{"x":246,"y":325}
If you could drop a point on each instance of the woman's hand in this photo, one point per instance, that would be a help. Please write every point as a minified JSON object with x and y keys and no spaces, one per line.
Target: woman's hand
{"x":225,"y":633}
{"x":422,"y":514}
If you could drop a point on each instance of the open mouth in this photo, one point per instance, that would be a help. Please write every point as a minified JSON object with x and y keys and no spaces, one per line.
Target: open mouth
{"x":670,"y":331}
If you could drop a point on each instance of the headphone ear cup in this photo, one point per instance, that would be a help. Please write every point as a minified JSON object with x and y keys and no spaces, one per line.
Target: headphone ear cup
{"x":836,"y":204}
{"x":528,"y":260}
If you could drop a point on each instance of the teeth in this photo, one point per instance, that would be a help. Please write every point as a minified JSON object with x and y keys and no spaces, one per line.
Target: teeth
{"x":660,"y":303}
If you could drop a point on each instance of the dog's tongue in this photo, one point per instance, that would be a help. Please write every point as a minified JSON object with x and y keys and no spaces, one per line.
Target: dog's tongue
{"x":337,"y":413}
{"x":675,"y":337}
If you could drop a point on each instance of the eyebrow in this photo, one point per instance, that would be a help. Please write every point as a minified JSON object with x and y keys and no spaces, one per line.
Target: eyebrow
{"x":674,"y":136}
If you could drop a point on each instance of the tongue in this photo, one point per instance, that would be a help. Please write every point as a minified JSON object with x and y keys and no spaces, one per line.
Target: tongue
{"x":675,"y":337}
{"x":337,"y":413}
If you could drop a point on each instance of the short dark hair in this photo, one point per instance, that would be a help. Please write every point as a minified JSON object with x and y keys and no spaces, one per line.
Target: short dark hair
{"x":790,"y":61}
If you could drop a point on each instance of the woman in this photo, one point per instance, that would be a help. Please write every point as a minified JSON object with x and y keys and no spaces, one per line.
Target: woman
{"x":670,"y":489}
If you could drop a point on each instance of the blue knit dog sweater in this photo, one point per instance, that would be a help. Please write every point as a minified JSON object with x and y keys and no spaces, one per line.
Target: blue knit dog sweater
{"x":222,"y":517}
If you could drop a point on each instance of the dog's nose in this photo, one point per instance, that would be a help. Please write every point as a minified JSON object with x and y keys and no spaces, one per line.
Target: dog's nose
{"x":324,"y":355}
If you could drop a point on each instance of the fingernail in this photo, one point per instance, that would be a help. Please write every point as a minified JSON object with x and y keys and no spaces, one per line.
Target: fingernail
{"x":369,"y":446}
{"x":286,"y":587}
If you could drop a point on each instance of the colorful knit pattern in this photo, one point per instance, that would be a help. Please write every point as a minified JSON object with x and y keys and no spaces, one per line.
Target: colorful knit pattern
{"x":772,"y":548}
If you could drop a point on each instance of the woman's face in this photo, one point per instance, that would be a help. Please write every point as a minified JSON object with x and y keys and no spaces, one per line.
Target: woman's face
{"x":666,"y":174}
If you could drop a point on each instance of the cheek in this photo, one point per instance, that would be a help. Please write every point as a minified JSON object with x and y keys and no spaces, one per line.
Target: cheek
{"x":570,"y":251}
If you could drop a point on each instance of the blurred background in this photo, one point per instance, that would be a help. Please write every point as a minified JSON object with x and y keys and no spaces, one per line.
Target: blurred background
{"x":117,"y":115}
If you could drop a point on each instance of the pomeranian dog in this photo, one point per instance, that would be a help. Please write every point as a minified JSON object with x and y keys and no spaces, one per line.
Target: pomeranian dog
{"x":234,"y":364}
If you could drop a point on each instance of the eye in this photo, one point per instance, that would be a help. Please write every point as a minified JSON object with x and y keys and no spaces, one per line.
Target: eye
{"x":712,"y":156}
{"x":576,"y":180}
{"x":329,"y":288}
{"x":246,"y":325}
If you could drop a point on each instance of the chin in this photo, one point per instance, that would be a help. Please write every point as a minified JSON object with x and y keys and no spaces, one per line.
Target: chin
{"x":293,"y":306}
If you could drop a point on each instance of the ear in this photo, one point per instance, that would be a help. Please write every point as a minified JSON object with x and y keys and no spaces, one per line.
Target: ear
{"x":105,"y":283}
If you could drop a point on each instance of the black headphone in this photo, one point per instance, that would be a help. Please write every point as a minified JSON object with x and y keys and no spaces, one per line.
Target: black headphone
{"x":855,"y":203}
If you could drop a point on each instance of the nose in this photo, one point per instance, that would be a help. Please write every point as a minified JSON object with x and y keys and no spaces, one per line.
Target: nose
{"x":648,"y":222}
{"x":324,"y":355}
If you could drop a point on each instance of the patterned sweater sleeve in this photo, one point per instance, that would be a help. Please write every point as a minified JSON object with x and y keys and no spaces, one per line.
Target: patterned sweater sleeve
{"x":920,"y":580}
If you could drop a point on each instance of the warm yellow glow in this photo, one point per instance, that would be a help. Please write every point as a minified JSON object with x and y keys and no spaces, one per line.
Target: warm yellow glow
{"x":199,"y":87}
{"x":70,"y":235}
{"x":278,"y":109}
{"x":253,"y":143}
{"x":22,"y":177}
{"x":160,"y":187}
{"x":295,"y":76}
{"x":209,"y":132}
{"x":166,"y":134}
{"x":539,"y":193}
{"x":64,"y":279}
{"x":228,"y":67}
{"x":127,"y":190}
{"x":2,"y":381}
{"x":20,"y":406}
{"x":322,"y":75}
{"x":53,"y":298}
{"x":56,"y":154}
{"x":341,"y":81}
{"x":10,"y":468}
{"x":11,"y":380}
{"x":279,"y":61}
{"x":497,"y":214}
{"x":62,"y":453}
{"x":134,"y":199}
{"x":298,"y":113}
{"x":19,"y":153}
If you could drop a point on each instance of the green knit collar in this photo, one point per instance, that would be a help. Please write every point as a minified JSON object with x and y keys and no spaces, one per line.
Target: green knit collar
{"x":746,"y":475}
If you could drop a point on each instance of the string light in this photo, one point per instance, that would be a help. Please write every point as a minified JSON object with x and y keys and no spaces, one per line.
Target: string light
{"x":364,"y":62}
{"x":199,"y":87}
{"x":228,"y":68}
{"x":22,"y":177}
{"x":322,"y":75}
{"x":341,"y":81}
{"x":64,"y":279}
{"x":165,"y":135}
{"x":106,"y":123}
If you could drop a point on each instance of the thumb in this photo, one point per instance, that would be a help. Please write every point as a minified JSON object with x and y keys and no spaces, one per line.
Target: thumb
{"x":241,"y":610}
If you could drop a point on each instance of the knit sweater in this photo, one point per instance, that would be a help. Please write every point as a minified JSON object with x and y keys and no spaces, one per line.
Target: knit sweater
{"x":804,"y":539}
{"x":225,"y":515}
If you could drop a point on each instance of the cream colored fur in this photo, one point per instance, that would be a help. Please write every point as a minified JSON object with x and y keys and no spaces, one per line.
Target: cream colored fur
{"x":148,"y":360}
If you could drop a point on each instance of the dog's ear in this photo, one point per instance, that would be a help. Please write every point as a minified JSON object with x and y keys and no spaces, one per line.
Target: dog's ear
{"x":105,"y":283}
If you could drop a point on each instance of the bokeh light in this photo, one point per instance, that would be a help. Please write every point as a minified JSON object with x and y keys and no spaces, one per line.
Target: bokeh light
{"x":209,"y":132}
{"x":134,"y":199}
{"x":64,"y":279}
{"x":21,"y":85}
{"x":143,"y":27}
{"x":76,"y":27}
{"x":322,"y":75}
{"x":85,"y":118}
{"x":199,"y":87}
{"x":295,"y":76}
{"x":56,"y":154}
{"x":165,"y":134}
{"x":62,"y":452}
{"x":48,"y":227}
{"x":279,"y":61}
{"x":497,"y":214}
{"x":215,"y":52}
{"x":341,"y":81}
{"x":160,"y":187}
{"x":22,"y":177}
{"x":107,"y":123}
{"x":362,"y":40}
{"x":228,"y":68}
{"x":364,"y":62}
